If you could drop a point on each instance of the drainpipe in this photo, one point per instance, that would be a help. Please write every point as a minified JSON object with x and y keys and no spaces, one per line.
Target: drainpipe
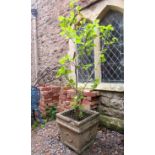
{"x":34,"y":33}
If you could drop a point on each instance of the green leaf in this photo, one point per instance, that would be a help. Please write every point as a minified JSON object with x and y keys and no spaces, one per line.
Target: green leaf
{"x":65,"y":59}
{"x":114,"y":40}
{"x":78,"y":8}
{"x":71,"y":4}
{"x":110,"y":27}
{"x":102,"y":58}
{"x":81,"y":114}
{"x":35,"y":125}
{"x":42,"y":126}
{"x":87,"y":66}
{"x":104,"y":50}
{"x":63,"y":71}
{"x":71,"y":83}
{"x":72,"y":15}
{"x":60,"y":18}
{"x":95,"y":83}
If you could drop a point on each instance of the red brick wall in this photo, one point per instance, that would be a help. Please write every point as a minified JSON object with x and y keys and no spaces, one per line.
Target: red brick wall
{"x":90,"y":101}
{"x":49,"y":97}
{"x":60,"y":97}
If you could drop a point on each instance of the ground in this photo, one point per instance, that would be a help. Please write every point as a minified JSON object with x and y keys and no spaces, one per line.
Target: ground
{"x":46,"y":141}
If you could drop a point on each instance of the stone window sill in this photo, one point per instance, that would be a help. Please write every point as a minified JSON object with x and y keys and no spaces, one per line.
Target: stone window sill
{"x":118,"y":87}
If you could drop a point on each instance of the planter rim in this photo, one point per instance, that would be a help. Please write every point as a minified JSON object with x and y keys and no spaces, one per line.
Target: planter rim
{"x":78,"y":123}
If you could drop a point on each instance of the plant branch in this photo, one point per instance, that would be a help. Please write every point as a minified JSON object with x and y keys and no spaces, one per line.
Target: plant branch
{"x":88,"y":80}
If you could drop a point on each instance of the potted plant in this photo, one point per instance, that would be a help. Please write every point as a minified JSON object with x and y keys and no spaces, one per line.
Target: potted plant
{"x":78,"y":127}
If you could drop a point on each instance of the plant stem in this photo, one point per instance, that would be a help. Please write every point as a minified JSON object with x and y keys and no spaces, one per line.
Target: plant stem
{"x":88,"y":80}
{"x":76,"y":74}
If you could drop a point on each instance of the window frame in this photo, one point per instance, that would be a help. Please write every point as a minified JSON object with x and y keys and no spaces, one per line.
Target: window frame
{"x":119,"y":87}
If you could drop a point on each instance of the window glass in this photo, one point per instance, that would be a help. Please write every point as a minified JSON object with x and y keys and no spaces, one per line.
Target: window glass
{"x":113,"y":69}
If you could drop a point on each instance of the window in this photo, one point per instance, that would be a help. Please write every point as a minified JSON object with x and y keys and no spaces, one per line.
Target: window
{"x":111,"y":72}
{"x":113,"y":69}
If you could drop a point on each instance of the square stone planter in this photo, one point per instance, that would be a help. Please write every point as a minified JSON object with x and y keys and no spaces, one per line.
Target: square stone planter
{"x":78,"y":135}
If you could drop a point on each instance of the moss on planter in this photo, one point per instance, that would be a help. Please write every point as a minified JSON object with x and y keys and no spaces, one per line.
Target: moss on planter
{"x":112,"y":123}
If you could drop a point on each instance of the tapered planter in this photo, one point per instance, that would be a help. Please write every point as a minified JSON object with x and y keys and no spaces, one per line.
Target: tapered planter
{"x":78,"y":135}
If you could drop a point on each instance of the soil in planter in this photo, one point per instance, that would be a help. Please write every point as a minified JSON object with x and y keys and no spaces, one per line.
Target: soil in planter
{"x":75,"y":115}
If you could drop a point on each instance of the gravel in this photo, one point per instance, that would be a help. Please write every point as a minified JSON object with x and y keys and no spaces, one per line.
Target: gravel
{"x":46,"y":141}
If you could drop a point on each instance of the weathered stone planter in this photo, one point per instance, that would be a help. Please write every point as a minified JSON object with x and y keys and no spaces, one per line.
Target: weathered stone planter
{"x":78,"y":135}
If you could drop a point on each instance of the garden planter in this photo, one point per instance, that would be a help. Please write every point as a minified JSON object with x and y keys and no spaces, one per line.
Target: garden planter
{"x":78,"y":134}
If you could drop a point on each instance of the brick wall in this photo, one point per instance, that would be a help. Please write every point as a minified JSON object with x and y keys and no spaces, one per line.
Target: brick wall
{"x":61,"y":97}
{"x":49,"y":97}
{"x":90,"y":100}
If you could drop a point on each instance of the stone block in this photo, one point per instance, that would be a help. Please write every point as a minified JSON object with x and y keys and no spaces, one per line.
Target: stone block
{"x":113,"y":103}
{"x":112,"y":123}
{"x":105,"y":100}
{"x":117,"y":104}
{"x":119,"y":96}
{"x":107,"y":94}
{"x":111,"y":112}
